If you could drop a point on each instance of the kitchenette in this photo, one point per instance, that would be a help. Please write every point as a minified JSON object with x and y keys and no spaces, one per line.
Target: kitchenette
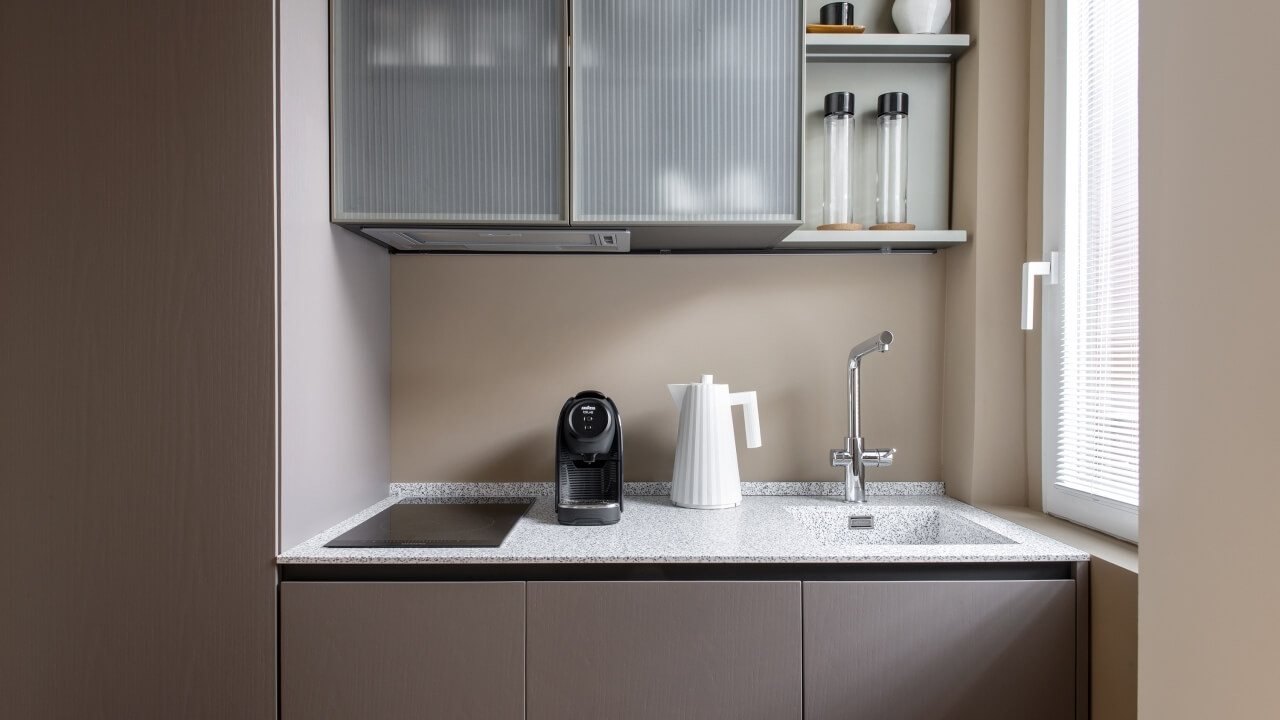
{"x":558,"y":416}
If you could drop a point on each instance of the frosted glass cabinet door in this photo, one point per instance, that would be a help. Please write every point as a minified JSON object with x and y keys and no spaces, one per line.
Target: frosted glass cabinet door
{"x":686,"y":110}
{"x":451,"y":111}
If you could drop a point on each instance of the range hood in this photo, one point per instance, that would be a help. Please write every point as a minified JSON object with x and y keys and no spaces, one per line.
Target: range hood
{"x":498,"y":240}
{"x":601,"y":238}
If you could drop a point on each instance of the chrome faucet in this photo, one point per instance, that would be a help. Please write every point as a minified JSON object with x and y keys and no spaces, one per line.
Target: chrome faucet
{"x":853,"y":458}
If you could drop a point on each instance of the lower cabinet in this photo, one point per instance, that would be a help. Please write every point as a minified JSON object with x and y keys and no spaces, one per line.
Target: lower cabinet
{"x":649,"y":650}
{"x":986,"y":650}
{"x":401,"y":650}
{"x":670,"y":650}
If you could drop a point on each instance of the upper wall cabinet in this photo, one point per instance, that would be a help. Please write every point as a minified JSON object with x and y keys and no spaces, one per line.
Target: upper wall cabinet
{"x":685,"y":111}
{"x":679,"y":122}
{"x":449,"y":111}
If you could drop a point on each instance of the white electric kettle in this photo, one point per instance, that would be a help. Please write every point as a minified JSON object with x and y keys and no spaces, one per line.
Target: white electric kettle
{"x":706,"y":468}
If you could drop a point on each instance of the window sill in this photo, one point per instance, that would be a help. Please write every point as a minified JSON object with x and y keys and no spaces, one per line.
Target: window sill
{"x":1102,"y":546}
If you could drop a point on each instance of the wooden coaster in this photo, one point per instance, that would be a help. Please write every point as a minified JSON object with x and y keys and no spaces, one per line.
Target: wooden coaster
{"x":820,"y":28}
{"x":843,"y":226}
{"x":892,"y":226}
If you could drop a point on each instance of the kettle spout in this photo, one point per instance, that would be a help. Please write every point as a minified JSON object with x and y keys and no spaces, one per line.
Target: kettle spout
{"x":677,"y":393}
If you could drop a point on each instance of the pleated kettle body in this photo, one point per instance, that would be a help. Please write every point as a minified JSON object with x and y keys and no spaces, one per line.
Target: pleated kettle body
{"x":705,"y":475}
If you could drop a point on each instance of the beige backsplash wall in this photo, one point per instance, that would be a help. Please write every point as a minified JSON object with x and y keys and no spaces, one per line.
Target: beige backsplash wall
{"x":984,"y":455}
{"x":485,"y":350}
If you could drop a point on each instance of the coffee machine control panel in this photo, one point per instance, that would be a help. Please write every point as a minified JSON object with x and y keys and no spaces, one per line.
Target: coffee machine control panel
{"x":587,"y":419}
{"x":588,"y":424}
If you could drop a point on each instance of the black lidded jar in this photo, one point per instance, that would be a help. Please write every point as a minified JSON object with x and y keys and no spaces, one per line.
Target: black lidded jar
{"x":836,"y":13}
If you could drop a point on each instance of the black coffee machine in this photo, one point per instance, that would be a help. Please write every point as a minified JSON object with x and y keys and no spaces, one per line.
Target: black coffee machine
{"x":589,"y":461}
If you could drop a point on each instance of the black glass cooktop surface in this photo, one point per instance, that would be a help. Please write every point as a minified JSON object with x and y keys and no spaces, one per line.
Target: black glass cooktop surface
{"x":438,"y":522}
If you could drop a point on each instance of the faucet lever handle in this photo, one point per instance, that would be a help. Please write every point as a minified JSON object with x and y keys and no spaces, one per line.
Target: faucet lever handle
{"x":878,"y":458}
{"x":841,"y":458}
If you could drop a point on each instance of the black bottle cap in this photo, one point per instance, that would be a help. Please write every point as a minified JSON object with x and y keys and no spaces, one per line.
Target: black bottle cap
{"x":894,"y":103}
{"x":839,"y":13}
{"x":838,"y":103}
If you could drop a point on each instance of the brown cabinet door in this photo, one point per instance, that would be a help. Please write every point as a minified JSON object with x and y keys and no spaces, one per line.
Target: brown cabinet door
{"x":401,"y":650}
{"x":989,"y":650}
{"x":669,"y":650}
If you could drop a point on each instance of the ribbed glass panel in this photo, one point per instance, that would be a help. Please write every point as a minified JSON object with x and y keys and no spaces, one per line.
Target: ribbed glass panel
{"x":448,"y":110}
{"x":1098,"y":402}
{"x":685,"y":110}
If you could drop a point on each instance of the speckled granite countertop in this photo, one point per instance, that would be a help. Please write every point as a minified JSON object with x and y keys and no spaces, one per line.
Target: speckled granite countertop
{"x":768,"y":527}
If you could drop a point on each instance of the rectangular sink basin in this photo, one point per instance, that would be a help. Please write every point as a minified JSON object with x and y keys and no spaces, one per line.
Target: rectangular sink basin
{"x":893,"y":525}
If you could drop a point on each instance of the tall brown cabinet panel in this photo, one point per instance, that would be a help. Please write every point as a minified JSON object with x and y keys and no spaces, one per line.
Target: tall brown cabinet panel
{"x":989,"y":650}
{"x":646,"y":650}
{"x":402,"y":650}
{"x":137,"y":371}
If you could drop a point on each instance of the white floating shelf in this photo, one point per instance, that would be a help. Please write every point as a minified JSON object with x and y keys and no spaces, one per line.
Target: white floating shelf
{"x":883,"y":47}
{"x":883,"y":240}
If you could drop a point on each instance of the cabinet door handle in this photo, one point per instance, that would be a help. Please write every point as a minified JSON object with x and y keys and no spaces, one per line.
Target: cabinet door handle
{"x":1029,"y":271}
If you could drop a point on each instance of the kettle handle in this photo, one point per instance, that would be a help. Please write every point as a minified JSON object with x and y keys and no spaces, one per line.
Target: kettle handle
{"x":750,"y":415}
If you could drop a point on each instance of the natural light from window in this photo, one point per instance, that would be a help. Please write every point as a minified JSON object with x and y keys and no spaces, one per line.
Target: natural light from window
{"x":1093,"y":471}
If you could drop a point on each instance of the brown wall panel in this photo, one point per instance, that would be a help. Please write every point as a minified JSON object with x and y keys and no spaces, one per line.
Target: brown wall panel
{"x":137,"y":365}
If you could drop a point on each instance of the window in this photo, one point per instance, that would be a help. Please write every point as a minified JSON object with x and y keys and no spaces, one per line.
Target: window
{"x":1090,"y":316}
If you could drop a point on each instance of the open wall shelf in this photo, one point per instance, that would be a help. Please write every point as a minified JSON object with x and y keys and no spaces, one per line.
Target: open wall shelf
{"x":872,"y":239}
{"x":884,"y":47}
{"x":868,"y":64}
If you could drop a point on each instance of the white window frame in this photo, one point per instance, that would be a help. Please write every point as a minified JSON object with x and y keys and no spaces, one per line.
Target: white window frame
{"x":1110,"y":516}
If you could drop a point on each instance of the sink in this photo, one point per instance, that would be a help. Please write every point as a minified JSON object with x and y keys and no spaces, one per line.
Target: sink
{"x":893,"y":525}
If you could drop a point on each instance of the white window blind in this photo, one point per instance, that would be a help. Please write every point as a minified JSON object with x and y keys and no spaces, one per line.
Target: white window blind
{"x":1093,"y":476}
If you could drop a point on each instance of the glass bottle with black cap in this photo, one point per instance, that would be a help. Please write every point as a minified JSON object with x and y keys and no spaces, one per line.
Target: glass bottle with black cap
{"x":838,"y":121}
{"x":891,"y":159}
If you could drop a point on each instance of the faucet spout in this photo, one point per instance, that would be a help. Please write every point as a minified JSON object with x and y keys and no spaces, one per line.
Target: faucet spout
{"x":854,"y":458}
{"x":877,"y":343}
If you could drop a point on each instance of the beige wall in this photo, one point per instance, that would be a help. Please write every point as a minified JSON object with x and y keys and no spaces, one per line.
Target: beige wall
{"x":1209,"y":621}
{"x":1113,"y":641}
{"x":335,"y":387}
{"x":1035,"y":241}
{"x":984,"y":451}
{"x":485,"y":350}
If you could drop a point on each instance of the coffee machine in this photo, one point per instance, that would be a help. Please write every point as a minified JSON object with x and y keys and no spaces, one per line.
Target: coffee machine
{"x":589,"y":461}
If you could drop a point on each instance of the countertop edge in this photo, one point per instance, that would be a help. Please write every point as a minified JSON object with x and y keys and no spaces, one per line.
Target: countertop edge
{"x":651,"y":489}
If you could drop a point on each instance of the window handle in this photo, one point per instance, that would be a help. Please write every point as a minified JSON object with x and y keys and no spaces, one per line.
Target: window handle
{"x":1029,"y":271}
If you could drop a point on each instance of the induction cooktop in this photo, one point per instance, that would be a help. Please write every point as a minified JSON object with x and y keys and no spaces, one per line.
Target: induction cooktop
{"x":437,"y":523}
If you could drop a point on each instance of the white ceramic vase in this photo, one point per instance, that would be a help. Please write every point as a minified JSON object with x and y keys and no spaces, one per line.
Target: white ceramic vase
{"x":921,"y":17}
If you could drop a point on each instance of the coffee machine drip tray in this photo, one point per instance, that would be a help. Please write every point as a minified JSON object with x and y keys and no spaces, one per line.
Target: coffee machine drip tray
{"x":428,"y":522}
